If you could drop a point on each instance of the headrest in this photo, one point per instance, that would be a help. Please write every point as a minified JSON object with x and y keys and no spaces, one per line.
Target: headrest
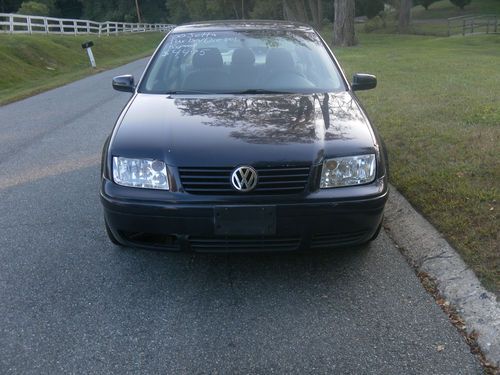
{"x":243,"y":56}
{"x":279,"y":58}
{"x":207,"y":58}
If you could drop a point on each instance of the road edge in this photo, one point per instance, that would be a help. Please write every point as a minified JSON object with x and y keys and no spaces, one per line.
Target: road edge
{"x":429,"y":252}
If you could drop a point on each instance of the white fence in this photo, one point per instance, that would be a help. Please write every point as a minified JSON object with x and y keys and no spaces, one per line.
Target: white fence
{"x":21,"y":24}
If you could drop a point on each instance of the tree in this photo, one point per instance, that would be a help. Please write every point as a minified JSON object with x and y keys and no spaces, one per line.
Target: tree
{"x":33,"y":8}
{"x":425,"y":3}
{"x":69,"y":8}
{"x":138,"y":10}
{"x":405,"y":14}
{"x":369,"y":8}
{"x":264,"y":9}
{"x":9,"y":6}
{"x":461,"y":3}
{"x":178,"y":11}
{"x":310,"y":11}
{"x":343,"y":24}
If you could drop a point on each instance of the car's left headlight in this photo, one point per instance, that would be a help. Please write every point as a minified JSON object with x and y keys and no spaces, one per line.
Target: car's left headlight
{"x":141,"y":173}
{"x":348,"y":171}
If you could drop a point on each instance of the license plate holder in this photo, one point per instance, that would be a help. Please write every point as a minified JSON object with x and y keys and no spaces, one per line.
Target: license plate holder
{"x":245,"y":221}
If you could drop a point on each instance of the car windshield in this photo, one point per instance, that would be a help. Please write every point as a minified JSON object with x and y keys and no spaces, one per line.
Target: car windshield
{"x":242,"y":62}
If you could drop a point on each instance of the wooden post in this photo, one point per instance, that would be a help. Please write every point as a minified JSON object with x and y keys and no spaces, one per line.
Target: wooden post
{"x":46,"y":25}
{"x":61,"y":28}
{"x":75,"y":28}
{"x":449,"y":31}
{"x":88,"y":27}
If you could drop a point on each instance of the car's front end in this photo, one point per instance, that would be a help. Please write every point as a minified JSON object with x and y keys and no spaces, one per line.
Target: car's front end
{"x":243,"y":171}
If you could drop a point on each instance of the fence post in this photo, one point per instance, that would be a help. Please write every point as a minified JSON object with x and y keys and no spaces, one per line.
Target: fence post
{"x":88,"y":27}
{"x":449,"y":31}
{"x":46,"y":25}
{"x":28,"y":20}
{"x":75,"y":29}
{"x":496,"y":23}
{"x":100,"y":24}
{"x":11,"y":23}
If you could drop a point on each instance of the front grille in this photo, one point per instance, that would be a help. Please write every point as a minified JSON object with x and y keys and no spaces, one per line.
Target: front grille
{"x":244,"y":244}
{"x":335,"y":239}
{"x":271,"y":180}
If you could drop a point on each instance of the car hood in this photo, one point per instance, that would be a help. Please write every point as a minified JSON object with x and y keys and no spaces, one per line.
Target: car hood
{"x":229,"y":130}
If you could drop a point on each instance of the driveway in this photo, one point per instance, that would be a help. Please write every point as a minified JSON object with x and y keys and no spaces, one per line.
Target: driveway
{"x":70,"y":302}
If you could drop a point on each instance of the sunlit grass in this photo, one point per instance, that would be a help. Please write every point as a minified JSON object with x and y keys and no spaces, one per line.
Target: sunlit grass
{"x":35,"y":63}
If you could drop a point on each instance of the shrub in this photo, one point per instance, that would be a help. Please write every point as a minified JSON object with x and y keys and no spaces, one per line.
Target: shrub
{"x":33,"y":8}
{"x":376,"y":23}
{"x":425,"y":3}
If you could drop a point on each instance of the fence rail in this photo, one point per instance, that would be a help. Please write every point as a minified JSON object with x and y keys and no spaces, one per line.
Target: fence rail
{"x":22,"y":24}
{"x":473,"y":24}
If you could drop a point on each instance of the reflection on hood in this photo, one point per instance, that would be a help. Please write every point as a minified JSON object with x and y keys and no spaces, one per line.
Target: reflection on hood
{"x":278,"y":119}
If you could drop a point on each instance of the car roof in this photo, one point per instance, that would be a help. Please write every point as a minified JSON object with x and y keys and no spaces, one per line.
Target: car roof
{"x":228,"y":25}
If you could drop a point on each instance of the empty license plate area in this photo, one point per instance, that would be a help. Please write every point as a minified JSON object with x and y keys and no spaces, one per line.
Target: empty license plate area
{"x":245,"y":221}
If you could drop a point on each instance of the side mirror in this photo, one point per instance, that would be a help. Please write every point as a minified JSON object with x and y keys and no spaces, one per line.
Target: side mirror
{"x":124,"y":83}
{"x":363,"y":81}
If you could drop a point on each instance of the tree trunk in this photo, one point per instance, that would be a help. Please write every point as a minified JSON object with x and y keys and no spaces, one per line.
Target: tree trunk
{"x":301,"y":5}
{"x":343,"y":24}
{"x":139,"y":18}
{"x":320,"y":14}
{"x":315,"y":8}
{"x":405,"y":14}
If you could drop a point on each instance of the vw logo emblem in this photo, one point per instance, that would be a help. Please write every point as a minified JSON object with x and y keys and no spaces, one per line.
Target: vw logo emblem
{"x":244,"y":179}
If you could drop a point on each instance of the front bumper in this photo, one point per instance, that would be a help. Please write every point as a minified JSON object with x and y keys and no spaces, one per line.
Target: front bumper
{"x":175,"y":221}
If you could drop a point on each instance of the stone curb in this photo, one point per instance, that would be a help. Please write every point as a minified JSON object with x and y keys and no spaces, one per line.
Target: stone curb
{"x":430,"y":253}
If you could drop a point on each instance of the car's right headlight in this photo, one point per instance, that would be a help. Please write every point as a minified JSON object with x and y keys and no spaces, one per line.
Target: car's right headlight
{"x":141,"y":173}
{"x":348,"y":171}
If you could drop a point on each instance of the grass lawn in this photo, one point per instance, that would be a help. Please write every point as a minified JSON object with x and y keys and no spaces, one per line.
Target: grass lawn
{"x":438,"y":108}
{"x":33,"y":63}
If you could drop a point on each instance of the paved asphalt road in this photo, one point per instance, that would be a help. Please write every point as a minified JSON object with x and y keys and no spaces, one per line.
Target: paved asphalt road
{"x":70,"y":302}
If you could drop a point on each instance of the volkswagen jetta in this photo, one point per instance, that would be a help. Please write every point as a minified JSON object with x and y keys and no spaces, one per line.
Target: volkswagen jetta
{"x":243,"y":136}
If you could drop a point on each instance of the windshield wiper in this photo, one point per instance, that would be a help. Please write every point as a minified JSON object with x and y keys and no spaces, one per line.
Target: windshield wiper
{"x":244,"y":92}
{"x":186,"y":92}
{"x":260,"y":91}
